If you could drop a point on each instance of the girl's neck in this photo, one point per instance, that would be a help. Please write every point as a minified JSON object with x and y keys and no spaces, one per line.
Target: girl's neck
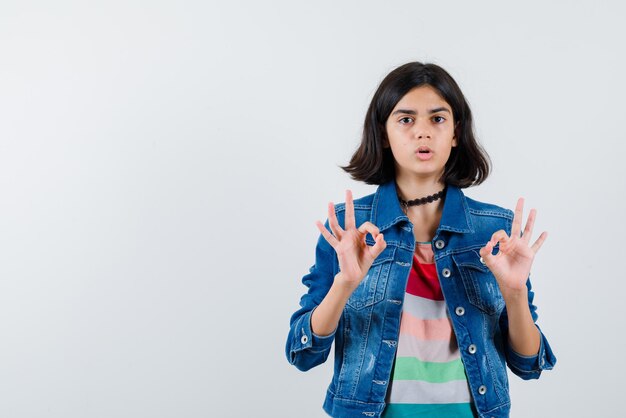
{"x":413,"y":188}
{"x":425,"y":218}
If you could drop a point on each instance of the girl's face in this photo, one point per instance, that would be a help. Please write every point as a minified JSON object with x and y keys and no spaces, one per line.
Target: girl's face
{"x":420,"y":132}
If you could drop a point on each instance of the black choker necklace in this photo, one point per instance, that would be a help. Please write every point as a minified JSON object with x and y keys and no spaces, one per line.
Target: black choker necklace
{"x":422,"y":200}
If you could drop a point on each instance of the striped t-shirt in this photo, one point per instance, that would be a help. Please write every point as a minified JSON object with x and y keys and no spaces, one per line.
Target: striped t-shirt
{"x":428,"y":377}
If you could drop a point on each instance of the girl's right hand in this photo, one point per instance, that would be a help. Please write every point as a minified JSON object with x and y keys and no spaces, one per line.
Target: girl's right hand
{"x":354,"y":255}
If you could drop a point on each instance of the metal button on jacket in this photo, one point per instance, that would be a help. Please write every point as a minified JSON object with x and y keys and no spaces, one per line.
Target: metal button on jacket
{"x":472,"y":350}
{"x":482,"y":260}
{"x":446,"y":272}
{"x":304,"y":339}
{"x":439,"y":244}
{"x":482,"y":389}
{"x":460,"y":311}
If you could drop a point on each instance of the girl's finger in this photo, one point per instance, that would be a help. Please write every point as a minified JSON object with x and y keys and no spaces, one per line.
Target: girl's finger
{"x":377,"y":248}
{"x":332,"y":221}
{"x":369,"y":227}
{"x":327,"y":235}
{"x":486,"y":253}
{"x":502,"y":238}
{"x":499,"y":236}
{"x":516,"y":228}
{"x":350,"y":222}
{"x":528,"y":229}
{"x":539,"y":242}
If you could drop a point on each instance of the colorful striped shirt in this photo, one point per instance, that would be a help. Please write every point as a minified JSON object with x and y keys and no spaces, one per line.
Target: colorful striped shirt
{"x":428,"y":378}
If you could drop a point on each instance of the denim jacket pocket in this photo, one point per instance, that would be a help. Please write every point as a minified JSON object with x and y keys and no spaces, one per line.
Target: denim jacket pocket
{"x":480,"y":284}
{"x":371,"y":290}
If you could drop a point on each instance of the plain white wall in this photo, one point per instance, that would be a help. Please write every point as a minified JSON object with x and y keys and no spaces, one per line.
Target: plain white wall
{"x":162,"y":165}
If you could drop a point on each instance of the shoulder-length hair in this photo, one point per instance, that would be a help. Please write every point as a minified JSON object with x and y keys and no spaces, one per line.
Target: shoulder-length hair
{"x":372,"y":163}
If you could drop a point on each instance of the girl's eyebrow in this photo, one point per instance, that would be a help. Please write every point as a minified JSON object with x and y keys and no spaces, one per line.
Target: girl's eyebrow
{"x":413,"y":112}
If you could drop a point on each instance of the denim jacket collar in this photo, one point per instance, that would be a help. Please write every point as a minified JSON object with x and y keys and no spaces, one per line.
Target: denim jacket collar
{"x":386,"y":210}
{"x":456,"y":215}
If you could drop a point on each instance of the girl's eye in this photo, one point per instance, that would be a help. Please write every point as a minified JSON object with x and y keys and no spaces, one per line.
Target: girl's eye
{"x":406,"y":120}
{"x":439,"y":119}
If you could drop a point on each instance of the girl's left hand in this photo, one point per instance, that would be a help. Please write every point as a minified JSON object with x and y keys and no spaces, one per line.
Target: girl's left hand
{"x":511,"y":265}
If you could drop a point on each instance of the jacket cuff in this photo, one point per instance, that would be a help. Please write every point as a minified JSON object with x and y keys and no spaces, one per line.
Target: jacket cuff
{"x":530,"y":367}
{"x":305,"y":339}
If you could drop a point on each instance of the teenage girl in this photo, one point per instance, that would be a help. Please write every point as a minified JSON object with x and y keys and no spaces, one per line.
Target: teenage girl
{"x":425,"y":292}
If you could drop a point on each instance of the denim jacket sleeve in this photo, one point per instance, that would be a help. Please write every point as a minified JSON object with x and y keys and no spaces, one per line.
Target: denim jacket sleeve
{"x":527,"y":367}
{"x":304,"y":349}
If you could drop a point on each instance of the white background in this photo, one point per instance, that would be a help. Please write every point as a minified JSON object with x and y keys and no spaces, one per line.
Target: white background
{"x":162,"y":165}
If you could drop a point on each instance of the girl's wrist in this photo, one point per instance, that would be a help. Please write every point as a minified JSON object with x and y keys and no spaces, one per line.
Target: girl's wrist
{"x":515,"y":297}
{"x":343,"y":287}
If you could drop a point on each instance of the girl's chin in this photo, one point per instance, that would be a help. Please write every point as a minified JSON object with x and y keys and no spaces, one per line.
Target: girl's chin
{"x":422,"y":173}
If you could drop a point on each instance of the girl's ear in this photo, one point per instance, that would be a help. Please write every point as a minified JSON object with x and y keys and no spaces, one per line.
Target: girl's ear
{"x":455,"y":142}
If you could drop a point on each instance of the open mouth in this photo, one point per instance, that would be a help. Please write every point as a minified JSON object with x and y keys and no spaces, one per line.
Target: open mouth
{"x":424,"y":153}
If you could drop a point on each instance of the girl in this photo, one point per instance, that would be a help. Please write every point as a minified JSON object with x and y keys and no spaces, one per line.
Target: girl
{"x":425,"y":292}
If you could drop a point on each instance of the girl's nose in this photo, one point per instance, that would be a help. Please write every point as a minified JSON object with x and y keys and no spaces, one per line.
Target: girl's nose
{"x":422,"y":131}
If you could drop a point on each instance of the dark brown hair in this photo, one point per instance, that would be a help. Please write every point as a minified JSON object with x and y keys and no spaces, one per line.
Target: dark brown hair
{"x":468,"y":163}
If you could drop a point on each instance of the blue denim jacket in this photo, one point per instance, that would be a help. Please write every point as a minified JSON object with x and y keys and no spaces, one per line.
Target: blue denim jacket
{"x":367,"y":334}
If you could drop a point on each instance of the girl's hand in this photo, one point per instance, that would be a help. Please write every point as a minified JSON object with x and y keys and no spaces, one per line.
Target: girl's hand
{"x":354,"y":255}
{"x":511,"y":265}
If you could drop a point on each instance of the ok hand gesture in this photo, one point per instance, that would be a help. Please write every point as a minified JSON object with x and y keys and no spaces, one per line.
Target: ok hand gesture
{"x":511,"y":265}
{"x":354,"y":255}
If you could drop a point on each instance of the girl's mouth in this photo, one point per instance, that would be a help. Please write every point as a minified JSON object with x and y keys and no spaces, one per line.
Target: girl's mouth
{"x":424,"y":153}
